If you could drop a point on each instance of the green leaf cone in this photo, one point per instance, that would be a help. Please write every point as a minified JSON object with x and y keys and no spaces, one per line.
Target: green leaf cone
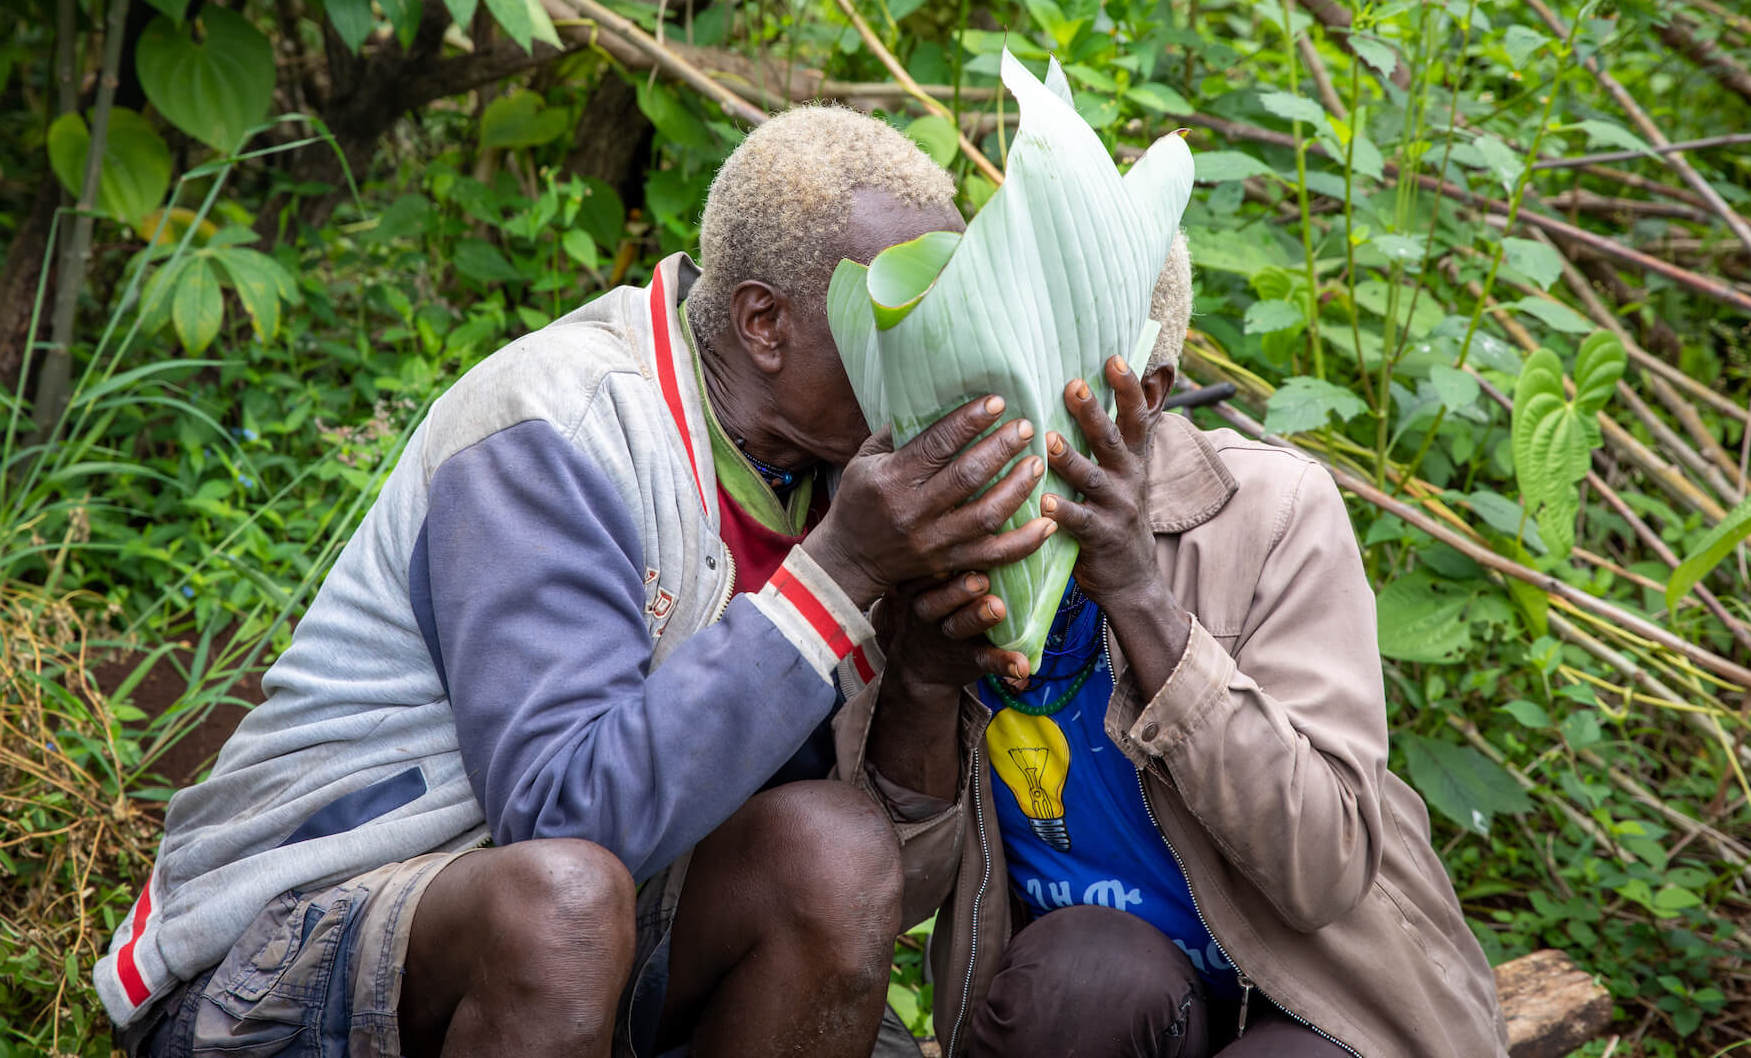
{"x":1051,"y":278}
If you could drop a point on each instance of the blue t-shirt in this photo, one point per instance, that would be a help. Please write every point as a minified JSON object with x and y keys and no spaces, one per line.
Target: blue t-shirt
{"x":1070,"y":806}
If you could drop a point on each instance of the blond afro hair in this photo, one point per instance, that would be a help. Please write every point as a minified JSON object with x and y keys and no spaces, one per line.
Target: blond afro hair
{"x":777,"y":209}
{"x":1171,"y":306}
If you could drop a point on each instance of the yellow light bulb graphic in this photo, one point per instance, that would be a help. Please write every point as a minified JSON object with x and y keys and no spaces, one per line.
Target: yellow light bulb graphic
{"x":1033,"y":759}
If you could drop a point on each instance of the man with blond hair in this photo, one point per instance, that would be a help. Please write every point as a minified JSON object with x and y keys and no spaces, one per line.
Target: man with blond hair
{"x":541,"y":771}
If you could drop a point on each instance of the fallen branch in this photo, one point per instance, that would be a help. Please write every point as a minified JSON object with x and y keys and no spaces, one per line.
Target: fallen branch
{"x":916,"y":91}
{"x":1585,"y":201}
{"x":1679,"y":34}
{"x":1729,"y":140}
{"x":666,"y":60}
{"x":1650,"y":131}
{"x":1335,"y":17}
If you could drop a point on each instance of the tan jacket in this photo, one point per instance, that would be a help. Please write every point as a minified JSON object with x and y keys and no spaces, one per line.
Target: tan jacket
{"x":1263,"y":760}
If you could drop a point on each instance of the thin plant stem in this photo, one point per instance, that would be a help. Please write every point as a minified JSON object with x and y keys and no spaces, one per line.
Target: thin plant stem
{"x":1489,"y":282}
{"x":1306,"y":210}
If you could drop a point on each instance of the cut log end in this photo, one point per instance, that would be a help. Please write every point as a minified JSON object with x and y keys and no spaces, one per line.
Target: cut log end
{"x":1551,"y":1005}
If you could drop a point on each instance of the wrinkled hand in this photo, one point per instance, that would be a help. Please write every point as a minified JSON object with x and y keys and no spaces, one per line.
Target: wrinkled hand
{"x":933,"y":633}
{"x":901,"y":515}
{"x":1116,"y":566}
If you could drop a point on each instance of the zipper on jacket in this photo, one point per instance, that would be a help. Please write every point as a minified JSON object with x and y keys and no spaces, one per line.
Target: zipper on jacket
{"x":973,"y":785}
{"x":729,"y":592}
{"x":1246,"y":983}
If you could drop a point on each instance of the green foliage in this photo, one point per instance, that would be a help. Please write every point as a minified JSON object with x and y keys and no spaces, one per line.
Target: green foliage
{"x":1554,"y":436}
{"x":135,"y":173}
{"x":216,"y":89}
{"x":1709,"y":552}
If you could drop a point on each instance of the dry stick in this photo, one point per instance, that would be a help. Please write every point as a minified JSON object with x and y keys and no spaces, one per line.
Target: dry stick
{"x":887,"y":91}
{"x":1733,"y":21}
{"x":667,"y":61}
{"x":1611,"y":206}
{"x":916,"y":91}
{"x":1648,"y":184}
{"x":57,"y":369}
{"x":1677,"y":405}
{"x":1731,"y":849}
{"x":1728,"y":140}
{"x":1651,"y":132}
{"x":1680,"y":35}
{"x":1608,"y":248}
{"x":1321,"y":79}
{"x":1483,"y":556}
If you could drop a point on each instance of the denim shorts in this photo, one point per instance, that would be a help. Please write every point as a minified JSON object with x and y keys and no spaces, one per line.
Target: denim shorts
{"x":316,"y":975}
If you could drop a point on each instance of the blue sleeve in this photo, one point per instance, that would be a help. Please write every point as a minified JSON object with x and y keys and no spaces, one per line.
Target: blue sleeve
{"x":537,"y":597}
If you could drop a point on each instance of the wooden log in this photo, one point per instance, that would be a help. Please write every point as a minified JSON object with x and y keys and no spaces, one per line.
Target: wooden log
{"x":1552,"y":1006}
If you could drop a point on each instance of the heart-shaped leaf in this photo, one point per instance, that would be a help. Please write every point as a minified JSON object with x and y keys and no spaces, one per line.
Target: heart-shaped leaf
{"x":520,"y":119}
{"x":197,"y":307}
{"x":136,"y":163}
{"x":1553,"y":437}
{"x":215,"y":89}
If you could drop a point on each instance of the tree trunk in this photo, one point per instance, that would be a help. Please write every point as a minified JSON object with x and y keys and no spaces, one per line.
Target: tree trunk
{"x":19,"y":277}
{"x":613,"y":139}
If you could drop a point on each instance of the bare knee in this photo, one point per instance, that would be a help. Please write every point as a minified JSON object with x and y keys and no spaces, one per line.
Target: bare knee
{"x":561,"y":910}
{"x":835,"y":863}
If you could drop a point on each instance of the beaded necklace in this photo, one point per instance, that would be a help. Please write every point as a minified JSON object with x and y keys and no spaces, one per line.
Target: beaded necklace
{"x":779,"y":479}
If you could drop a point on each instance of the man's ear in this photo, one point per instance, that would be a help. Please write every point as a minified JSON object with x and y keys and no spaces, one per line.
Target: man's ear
{"x":1157,"y":384}
{"x":761,"y":318}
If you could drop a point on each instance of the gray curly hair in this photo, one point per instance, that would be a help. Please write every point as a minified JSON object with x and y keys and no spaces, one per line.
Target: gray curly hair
{"x":777,"y":209}
{"x":1171,"y":306}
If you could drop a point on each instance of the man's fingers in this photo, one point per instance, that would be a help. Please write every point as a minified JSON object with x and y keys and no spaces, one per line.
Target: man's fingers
{"x":1012,"y":546}
{"x":1105,"y":441}
{"x":1079,"y":470}
{"x":1133,"y":410}
{"x":1076,"y":519}
{"x":877,"y":443}
{"x":937,"y":446}
{"x":975,"y":618}
{"x":937,"y":603}
{"x":988,"y":513}
{"x":974,"y":468}
{"x":1002,"y":662}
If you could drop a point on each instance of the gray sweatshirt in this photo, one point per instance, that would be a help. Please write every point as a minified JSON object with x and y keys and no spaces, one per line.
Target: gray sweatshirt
{"x":532,"y":634}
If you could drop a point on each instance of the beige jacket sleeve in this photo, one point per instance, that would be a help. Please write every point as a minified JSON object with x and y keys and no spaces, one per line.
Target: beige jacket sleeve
{"x":1279,"y":749}
{"x":930,"y":829}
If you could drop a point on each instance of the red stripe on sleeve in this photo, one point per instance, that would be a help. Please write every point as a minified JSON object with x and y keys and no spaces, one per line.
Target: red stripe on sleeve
{"x":126,"y":969}
{"x":813,"y":611}
{"x":860,"y":660}
{"x":666,"y":377}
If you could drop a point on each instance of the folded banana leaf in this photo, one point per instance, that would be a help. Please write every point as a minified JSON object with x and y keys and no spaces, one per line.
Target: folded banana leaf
{"x":1051,"y":278}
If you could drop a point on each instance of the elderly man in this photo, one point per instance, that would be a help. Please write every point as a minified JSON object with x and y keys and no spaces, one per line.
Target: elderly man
{"x":1178,"y":838}
{"x":583,"y":623}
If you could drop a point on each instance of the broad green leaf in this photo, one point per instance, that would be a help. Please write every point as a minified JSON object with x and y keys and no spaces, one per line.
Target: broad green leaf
{"x":353,"y":21}
{"x":215,"y":89}
{"x":1398,"y":247}
{"x":1461,"y":783}
{"x":1376,"y":53}
{"x":1304,"y":403}
{"x":1373,"y":295}
{"x":601,"y":213}
{"x":1052,"y":277}
{"x":1272,"y":315}
{"x":136,"y":163}
{"x":1292,"y":107}
{"x":1553,"y":437}
{"x":1456,"y":388}
{"x":1423,"y":619}
{"x":404,"y":16}
{"x":1214,"y":167}
{"x":481,"y":261}
{"x":1599,"y":364}
{"x":1535,"y":260}
{"x":1503,"y":515}
{"x":672,"y":119}
{"x":521,"y":119}
{"x":1708,"y":553}
{"x":899,"y":277}
{"x":462,"y":11}
{"x":513,"y":17}
{"x":259,"y":281}
{"x":579,"y":247}
{"x":1530,"y":714}
{"x":936,"y":136}
{"x":1521,"y":42}
{"x":1554,"y":314}
{"x":1500,"y":159}
{"x":1602,"y":133}
{"x":1159,"y":98}
{"x":197,"y":307}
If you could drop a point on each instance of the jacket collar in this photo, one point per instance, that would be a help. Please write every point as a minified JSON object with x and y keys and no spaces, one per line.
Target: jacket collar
{"x":1187,"y":482}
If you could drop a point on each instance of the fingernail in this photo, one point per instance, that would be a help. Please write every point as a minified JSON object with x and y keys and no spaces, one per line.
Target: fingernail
{"x":974,"y":582}
{"x":1025,"y":430}
{"x":1048,"y":505}
{"x":993,"y":405}
{"x":1055,"y":444}
{"x":1018,"y":670}
{"x":1051,"y":527}
{"x":1119,"y":362}
{"x":987,"y":612}
{"x":1082,"y":391}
